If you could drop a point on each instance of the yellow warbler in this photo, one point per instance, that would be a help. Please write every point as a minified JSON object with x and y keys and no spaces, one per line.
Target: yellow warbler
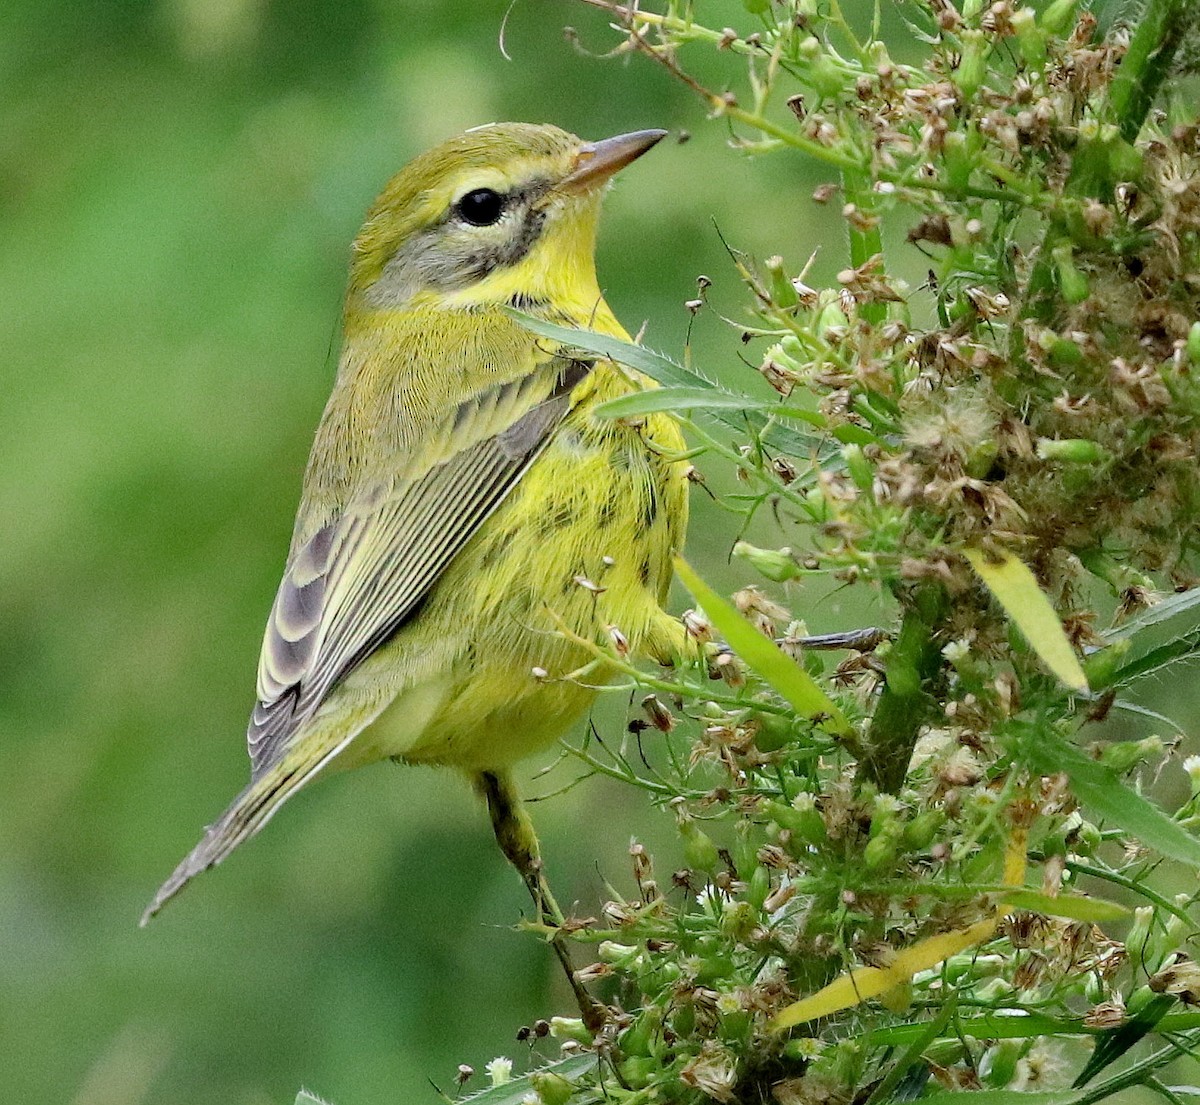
{"x":463,"y":513}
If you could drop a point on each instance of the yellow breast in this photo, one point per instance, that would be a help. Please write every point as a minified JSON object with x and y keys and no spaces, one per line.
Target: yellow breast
{"x":582,"y":545}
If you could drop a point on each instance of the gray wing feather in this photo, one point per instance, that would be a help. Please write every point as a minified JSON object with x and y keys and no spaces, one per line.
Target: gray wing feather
{"x":361,"y":576}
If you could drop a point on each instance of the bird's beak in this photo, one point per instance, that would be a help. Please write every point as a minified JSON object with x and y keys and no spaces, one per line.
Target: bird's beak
{"x":597,"y":161}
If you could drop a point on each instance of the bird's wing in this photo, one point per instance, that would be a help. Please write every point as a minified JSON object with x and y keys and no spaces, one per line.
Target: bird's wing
{"x":364,"y":573}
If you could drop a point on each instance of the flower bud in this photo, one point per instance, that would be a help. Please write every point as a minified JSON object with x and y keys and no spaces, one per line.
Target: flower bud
{"x":859,"y":468}
{"x":998,"y":1065}
{"x":699,"y":851}
{"x":774,"y":732}
{"x":1102,"y":666}
{"x":783,"y":291}
{"x":571,"y":1028}
{"x":1072,"y":450}
{"x":1123,"y":756}
{"x":758,"y":887}
{"x":551,"y":1088}
{"x":920,"y":831}
{"x":1058,"y":16}
{"x":1071,"y":282}
{"x":1030,"y":37}
{"x":880,"y":852}
{"x":1193,"y":344}
{"x":774,"y":564}
{"x":801,"y":818}
{"x":972,"y":67}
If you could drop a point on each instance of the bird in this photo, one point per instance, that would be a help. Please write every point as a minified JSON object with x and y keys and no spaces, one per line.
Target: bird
{"x":468,"y":530}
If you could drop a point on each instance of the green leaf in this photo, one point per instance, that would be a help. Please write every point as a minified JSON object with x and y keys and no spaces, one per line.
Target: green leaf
{"x":1101,"y":790}
{"x":1157,"y":660}
{"x":1002,"y":1097}
{"x":763,"y":656}
{"x":668,"y":373}
{"x":990,"y":1026}
{"x":1014,"y":587}
{"x":1177,"y":615}
{"x":517,"y":1090}
{"x":913,"y":1052}
{"x":683,"y":399}
{"x":1111,"y":1045}
{"x":1015,"y":1026}
{"x":1074,"y":906}
{"x":1173,"y":606}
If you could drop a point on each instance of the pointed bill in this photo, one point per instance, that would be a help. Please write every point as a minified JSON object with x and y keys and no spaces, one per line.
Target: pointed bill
{"x":597,"y":161}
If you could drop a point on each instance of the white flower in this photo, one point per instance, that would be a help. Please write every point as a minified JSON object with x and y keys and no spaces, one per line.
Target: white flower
{"x":500,"y":1070}
{"x":1192,"y":766}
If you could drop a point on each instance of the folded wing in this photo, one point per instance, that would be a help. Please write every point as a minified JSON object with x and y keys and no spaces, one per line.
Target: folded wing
{"x":366,"y":571}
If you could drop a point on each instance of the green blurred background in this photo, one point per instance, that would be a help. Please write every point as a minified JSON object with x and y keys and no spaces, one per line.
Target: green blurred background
{"x":179,"y":182}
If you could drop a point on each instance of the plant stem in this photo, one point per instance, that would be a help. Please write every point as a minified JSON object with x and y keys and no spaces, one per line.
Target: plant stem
{"x":1151,"y":51}
{"x":865,"y":242}
{"x":1158,"y":36}
{"x":905,"y":703}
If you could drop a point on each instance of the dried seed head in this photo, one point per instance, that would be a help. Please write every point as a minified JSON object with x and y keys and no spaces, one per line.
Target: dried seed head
{"x":659,"y":716}
{"x":619,"y":641}
{"x":698,"y":627}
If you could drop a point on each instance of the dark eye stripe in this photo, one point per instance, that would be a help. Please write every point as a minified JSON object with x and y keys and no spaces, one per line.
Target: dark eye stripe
{"x":453,"y":254}
{"x":490,"y":256}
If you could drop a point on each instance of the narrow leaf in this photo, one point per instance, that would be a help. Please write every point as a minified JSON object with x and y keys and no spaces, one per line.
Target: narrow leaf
{"x":1001,"y":1097}
{"x":1013,"y":1025}
{"x":1158,"y":659}
{"x":912,"y":1053}
{"x":1173,"y":606}
{"x":685,"y":399}
{"x":857,"y":986}
{"x":668,"y":373}
{"x":1016,"y":1026}
{"x":763,"y":656}
{"x":1014,"y":587}
{"x":869,"y":982}
{"x":1100,"y":789}
{"x":1111,"y":1045}
{"x":519,"y":1090}
{"x":1074,"y":906}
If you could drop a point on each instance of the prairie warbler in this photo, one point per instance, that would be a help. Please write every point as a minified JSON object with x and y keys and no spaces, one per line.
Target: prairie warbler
{"x":464,"y":515}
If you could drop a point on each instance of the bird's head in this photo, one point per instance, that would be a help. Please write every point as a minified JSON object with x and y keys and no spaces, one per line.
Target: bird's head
{"x":505,"y":213}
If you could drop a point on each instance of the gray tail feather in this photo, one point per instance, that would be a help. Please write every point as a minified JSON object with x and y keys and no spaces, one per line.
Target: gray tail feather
{"x":246,"y":815}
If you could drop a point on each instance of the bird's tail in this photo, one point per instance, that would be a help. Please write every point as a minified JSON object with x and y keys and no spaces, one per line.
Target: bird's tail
{"x":246,"y":815}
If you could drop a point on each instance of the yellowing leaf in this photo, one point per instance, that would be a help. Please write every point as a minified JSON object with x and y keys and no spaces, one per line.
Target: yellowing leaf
{"x":1014,"y":587}
{"x":857,"y":986}
{"x":763,"y":656}
{"x":869,"y":982}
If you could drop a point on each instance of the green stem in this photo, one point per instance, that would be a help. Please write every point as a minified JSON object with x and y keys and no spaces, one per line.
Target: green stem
{"x":1159,"y":34}
{"x":864,"y":243}
{"x":1138,"y":79}
{"x":905,"y":704}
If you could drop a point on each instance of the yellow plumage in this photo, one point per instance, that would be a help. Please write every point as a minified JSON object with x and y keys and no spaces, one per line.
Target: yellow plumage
{"x":462,"y":506}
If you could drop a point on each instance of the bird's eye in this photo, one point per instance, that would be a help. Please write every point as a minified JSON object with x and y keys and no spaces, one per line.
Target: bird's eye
{"x":481,"y":207}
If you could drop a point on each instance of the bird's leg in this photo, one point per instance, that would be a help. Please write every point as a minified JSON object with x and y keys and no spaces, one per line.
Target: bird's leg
{"x":518,"y":841}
